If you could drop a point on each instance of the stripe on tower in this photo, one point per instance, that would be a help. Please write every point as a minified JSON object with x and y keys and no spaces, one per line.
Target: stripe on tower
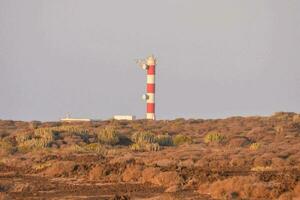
{"x":150,"y":79}
{"x":150,"y":88}
{"x":150,"y":107}
{"x":151,"y":70}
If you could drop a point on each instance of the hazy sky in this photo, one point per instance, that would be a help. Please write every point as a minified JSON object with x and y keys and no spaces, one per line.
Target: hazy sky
{"x":216,"y":58}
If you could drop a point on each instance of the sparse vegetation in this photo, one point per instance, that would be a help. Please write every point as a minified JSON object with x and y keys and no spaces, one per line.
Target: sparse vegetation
{"x":146,"y":141}
{"x":23,"y":136}
{"x":143,"y":137}
{"x":33,"y":144}
{"x":95,"y":148}
{"x":152,"y":147}
{"x":182,"y":139}
{"x":164,"y":140}
{"x":6,"y":148}
{"x":108,"y":136}
{"x":47,"y":134}
{"x":214,"y":137}
{"x":93,"y":153}
{"x":145,"y":146}
{"x":255,"y":146}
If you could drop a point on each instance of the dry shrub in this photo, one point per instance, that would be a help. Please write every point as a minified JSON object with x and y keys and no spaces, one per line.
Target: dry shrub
{"x":255,"y":146}
{"x":6,"y":148}
{"x":243,"y":187}
{"x":73,"y":131}
{"x":39,"y":139}
{"x":24,"y":136}
{"x":88,"y":148}
{"x":144,"y":146}
{"x":182,"y":139}
{"x":152,"y":147}
{"x":46,"y":133}
{"x":164,"y":140}
{"x":95,"y":148}
{"x":143,"y":137}
{"x":144,"y":141}
{"x":33,"y":144}
{"x":214,"y":137}
{"x":41,"y":166}
{"x":136,"y":147}
{"x":108,"y":136}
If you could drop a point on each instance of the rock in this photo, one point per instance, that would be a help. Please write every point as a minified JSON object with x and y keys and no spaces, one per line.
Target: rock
{"x":172,"y":189}
{"x":4,"y":196}
{"x":120,"y":197}
{"x":165,"y":162}
{"x":149,"y":173}
{"x":132,"y":173}
{"x":96,"y":173}
{"x":61,"y":168}
{"x":167,"y":179}
{"x":238,"y":141}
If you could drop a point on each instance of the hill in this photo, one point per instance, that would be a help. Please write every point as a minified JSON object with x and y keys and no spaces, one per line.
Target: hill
{"x":233,"y":158}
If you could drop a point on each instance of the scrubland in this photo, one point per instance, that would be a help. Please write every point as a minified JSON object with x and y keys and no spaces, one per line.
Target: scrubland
{"x":233,"y":158}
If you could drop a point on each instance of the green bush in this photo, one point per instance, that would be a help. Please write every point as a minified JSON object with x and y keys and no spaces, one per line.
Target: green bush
{"x":89,"y":148}
{"x":164,"y":140}
{"x":108,"y":136}
{"x":143,"y":137}
{"x":214,"y":137}
{"x":182,"y":139}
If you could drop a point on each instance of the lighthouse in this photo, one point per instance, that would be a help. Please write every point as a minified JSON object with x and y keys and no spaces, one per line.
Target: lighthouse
{"x":149,"y":65}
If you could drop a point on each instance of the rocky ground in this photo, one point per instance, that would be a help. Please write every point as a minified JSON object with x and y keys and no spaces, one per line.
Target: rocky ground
{"x":233,"y":158}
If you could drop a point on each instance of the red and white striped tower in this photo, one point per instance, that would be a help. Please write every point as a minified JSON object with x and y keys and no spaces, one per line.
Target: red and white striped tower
{"x":149,"y":65}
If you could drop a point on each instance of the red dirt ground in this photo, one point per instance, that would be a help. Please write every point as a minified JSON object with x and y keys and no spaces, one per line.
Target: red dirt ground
{"x":257,"y":158}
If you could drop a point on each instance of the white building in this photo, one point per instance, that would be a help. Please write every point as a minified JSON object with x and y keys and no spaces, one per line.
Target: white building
{"x":75,"y":120}
{"x":124,"y":117}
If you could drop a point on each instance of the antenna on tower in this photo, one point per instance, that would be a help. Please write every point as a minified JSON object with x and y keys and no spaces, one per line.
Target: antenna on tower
{"x":142,"y":63}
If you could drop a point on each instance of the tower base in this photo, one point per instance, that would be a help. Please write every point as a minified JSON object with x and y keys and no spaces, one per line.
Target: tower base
{"x":150,"y":116}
